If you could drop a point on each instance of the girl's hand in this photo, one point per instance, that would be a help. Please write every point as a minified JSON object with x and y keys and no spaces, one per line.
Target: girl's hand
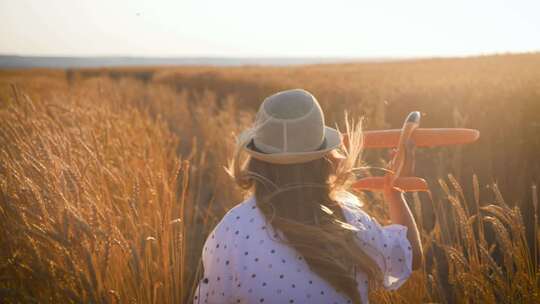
{"x":407,"y":169}
{"x":399,"y":210}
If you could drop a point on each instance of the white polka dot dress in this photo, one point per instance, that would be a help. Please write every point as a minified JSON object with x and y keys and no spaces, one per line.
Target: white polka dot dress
{"x":244,"y":263}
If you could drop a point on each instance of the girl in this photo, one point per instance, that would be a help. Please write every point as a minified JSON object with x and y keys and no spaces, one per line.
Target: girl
{"x":300,"y":238}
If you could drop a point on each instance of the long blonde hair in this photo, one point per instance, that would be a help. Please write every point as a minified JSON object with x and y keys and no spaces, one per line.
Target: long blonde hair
{"x":297,"y":200}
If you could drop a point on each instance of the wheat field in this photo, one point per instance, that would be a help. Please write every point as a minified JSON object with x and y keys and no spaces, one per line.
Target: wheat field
{"x":111,"y":179}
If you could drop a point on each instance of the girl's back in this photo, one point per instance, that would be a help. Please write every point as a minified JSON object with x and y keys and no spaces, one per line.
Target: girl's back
{"x":300,"y":238}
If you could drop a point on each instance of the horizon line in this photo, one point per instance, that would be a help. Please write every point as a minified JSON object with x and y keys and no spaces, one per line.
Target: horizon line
{"x":210,"y":56}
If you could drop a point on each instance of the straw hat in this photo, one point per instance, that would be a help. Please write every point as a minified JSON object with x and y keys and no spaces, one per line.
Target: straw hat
{"x":289,"y":128}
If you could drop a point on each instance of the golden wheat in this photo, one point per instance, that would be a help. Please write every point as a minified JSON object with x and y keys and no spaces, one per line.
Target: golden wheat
{"x":110,"y":180}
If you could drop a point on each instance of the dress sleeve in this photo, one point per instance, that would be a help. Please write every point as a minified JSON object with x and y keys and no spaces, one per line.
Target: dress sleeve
{"x":388,"y":246}
{"x":216,"y":285}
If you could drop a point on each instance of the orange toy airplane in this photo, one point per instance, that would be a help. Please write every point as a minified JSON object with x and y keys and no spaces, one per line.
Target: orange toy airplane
{"x":406,"y":139}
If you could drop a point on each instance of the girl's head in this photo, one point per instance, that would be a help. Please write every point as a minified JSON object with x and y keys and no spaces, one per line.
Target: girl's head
{"x":296,"y":164}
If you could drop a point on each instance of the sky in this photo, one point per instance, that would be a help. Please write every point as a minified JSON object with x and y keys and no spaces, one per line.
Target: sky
{"x":276,"y":28}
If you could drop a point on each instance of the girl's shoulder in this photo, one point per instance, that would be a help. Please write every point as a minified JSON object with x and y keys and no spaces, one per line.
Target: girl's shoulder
{"x":348,"y":202}
{"x":237,"y":217}
{"x":347,"y":199}
{"x":239,"y":212}
{"x":351,"y":206}
{"x":237,"y":230}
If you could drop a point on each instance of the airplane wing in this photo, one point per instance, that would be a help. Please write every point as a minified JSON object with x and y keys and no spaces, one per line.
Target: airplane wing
{"x":423,"y":137}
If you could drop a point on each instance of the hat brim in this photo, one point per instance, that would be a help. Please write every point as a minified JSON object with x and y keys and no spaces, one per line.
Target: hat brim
{"x":332,"y":139}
